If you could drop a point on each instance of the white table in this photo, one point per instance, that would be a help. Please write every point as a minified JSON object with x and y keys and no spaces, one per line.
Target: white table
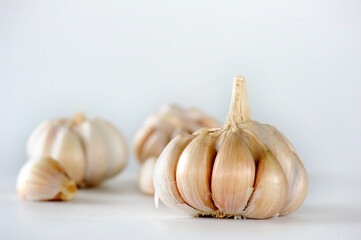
{"x":117,"y":210}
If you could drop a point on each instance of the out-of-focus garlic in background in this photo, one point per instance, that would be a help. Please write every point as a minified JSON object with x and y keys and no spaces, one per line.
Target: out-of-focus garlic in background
{"x":243,"y":169}
{"x":90,"y":151}
{"x":42,"y":178}
{"x":158,"y":130}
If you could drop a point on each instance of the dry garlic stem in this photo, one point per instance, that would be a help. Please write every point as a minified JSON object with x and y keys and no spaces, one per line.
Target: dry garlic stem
{"x":156,"y":133}
{"x":243,"y":169}
{"x":43,"y":179}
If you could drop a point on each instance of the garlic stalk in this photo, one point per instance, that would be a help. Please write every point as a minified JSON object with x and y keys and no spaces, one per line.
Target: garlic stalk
{"x":243,"y":169}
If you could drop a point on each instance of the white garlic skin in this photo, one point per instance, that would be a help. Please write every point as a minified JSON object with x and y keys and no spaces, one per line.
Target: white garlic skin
{"x":42,"y":179}
{"x":89,"y":150}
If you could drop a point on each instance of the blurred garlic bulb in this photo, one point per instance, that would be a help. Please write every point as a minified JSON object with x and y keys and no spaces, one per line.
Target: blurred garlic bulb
{"x":243,"y":169}
{"x":156,"y":133}
{"x":89,"y":150}
{"x":146,"y":176}
{"x":43,"y":179}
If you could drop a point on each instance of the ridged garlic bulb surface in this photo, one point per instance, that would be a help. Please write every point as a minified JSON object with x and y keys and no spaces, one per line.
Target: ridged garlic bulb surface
{"x":158,"y":130}
{"x":42,"y":179}
{"x":243,"y":169}
{"x":89,"y":150}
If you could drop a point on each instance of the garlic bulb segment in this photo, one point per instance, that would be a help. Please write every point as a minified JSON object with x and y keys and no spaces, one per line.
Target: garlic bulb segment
{"x":159,"y":129}
{"x":194,"y":173}
{"x":155,"y":144}
{"x":233,"y":175}
{"x":243,"y":169}
{"x":299,"y":190}
{"x":146,"y":176}
{"x":42,"y":178}
{"x":89,"y":150}
{"x":164,"y":176}
{"x":270,"y":192}
{"x":68,"y":150}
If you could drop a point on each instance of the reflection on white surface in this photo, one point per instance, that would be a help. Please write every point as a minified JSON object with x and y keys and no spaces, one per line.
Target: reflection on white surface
{"x":117,"y":209}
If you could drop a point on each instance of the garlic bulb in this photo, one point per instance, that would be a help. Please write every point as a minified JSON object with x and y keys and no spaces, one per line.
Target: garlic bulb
{"x":243,"y":169}
{"x":89,"y":150}
{"x":156,"y":133}
{"x":44,"y":179}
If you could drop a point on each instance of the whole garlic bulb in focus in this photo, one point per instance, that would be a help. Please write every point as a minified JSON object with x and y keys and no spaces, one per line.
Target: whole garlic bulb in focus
{"x":243,"y":169}
{"x":43,"y":179}
{"x":89,"y":150}
{"x":158,"y":130}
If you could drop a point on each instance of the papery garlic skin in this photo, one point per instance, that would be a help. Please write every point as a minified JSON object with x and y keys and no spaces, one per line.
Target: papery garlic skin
{"x":159,"y":129}
{"x":89,"y":150}
{"x":42,"y":179}
{"x":243,"y":169}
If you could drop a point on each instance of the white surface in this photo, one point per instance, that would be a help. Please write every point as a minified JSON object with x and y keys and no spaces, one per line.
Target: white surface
{"x":117,"y":210}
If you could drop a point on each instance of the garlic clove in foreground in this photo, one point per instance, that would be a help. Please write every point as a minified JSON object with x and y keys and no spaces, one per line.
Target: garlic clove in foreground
{"x":233,"y":175}
{"x":299,"y":190}
{"x":164,"y":177}
{"x":146,"y":176}
{"x":42,"y":178}
{"x":194,"y":173}
{"x":270,"y":190}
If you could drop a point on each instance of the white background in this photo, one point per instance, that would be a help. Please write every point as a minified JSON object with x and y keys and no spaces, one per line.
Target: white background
{"x":122,"y":60}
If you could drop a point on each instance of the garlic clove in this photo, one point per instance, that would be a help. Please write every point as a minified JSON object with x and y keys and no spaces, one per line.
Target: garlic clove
{"x":255,"y":147}
{"x":45,"y":134}
{"x":68,"y":151}
{"x":146,"y":176}
{"x":279,"y":147}
{"x":270,"y":190}
{"x":164,"y":177}
{"x":295,"y":172}
{"x":41,"y":140}
{"x":232,"y":175}
{"x":116,"y":147}
{"x":194,"y":173}
{"x":155,"y":144}
{"x":298,"y":190}
{"x":96,"y":151}
{"x":140,"y":139}
{"x":43,"y":179}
